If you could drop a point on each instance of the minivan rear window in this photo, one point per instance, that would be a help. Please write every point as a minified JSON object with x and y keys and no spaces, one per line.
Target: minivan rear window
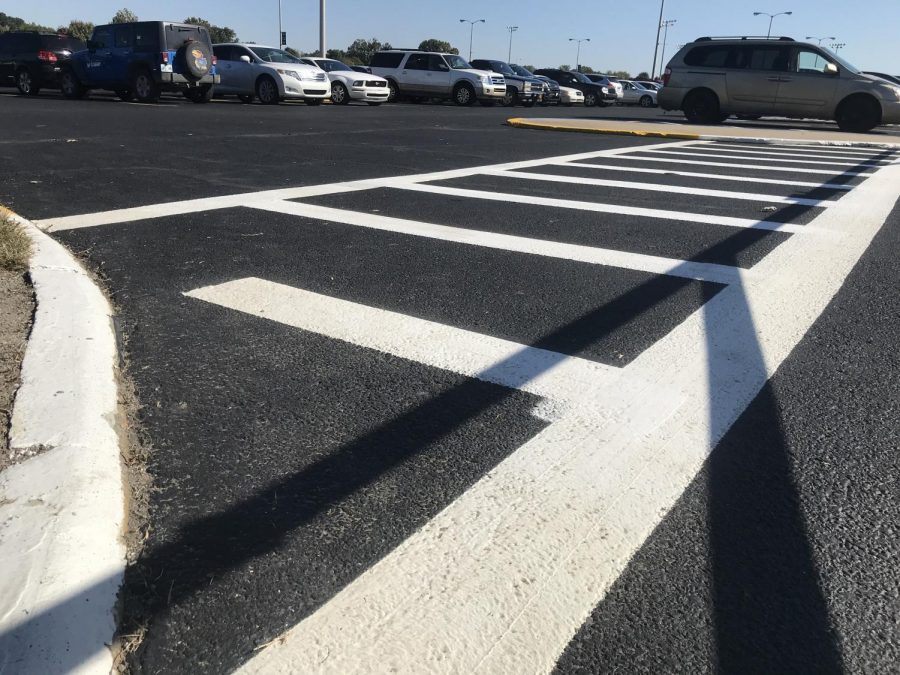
{"x":386,"y":59}
{"x":59,"y":43}
{"x":712,"y":56}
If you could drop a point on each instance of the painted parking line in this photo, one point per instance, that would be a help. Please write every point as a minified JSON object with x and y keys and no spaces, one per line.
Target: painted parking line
{"x":722,"y":274}
{"x":538,"y":371}
{"x":501,"y":580}
{"x":747,"y":223}
{"x":697,"y":153}
{"x":656,"y":187}
{"x":731,"y":165}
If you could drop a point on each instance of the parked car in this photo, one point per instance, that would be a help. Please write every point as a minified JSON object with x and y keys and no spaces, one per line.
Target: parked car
{"x":524,"y":89}
{"x":634,"y":93}
{"x":551,"y":95}
{"x":594,"y":93}
{"x":347,"y":85}
{"x":615,"y":88}
{"x":712,"y":78}
{"x":569,"y":96}
{"x":893,"y":79}
{"x":269,"y":74}
{"x":362,"y":69}
{"x":649,"y":84}
{"x":434,"y":75}
{"x":143,"y":59}
{"x":31,"y":60}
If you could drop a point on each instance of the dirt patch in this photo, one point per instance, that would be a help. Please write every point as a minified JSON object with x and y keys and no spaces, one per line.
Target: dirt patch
{"x":17,"y":310}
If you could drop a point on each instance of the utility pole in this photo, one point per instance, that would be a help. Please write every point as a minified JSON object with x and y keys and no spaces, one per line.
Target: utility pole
{"x":666,"y":24}
{"x":279,"y":25}
{"x":511,"y":29}
{"x":662,"y":5}
{"x":472,"y":23}
{"x":578,"y":51}
{"x":322,"y":28}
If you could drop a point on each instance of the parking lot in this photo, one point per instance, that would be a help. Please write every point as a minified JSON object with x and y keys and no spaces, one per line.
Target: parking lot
{"x":433,"y":393}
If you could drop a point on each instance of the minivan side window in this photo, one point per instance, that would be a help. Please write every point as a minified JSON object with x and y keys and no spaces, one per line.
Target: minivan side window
{"x":809,"y":62}
{"x":712,"y":56}
{"x":386,"y":59}
{"x":766,"y":57}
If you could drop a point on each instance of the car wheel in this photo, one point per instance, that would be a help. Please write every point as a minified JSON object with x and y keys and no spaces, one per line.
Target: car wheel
{"x":510,"y":97}
{"x":70,"y":86}
{"x":590,"y":99}
{"x":124,"y":94}
{"x":245,"y":98}
{"x":312,"y":101}
{"x":267,"y":91}
{"x":26,"y":84}
{"x":374,"y":103}
{"x":144,"y":87}
{"x":394,"y":91}
{"x":858,"y":114}
{"x":339,"y":94}
{"x":701,"y":106}
{"x":199,"y":94}
{"x":646,"y":101}
{"x":463,"y":94}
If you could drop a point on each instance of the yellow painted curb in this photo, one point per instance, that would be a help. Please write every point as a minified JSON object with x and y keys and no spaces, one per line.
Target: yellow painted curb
{"x":528,"y":124}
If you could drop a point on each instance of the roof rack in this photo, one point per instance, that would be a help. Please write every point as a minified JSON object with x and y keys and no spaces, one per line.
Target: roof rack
{"x":775,"y":38}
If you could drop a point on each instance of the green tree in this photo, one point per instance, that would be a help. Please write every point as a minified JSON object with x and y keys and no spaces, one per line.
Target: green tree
{"x":643,"y":75}
{"x":587,"y":69}
{"x":530,"y":69}
{"x":565,"y":66}
{"x":435,"y":45}
{"x":363,"y":50}
{"x":8,"y":23}
{"x":80,"y":29}
{"x":124,"y":15}
{"x":218,"y":34}
{"x":621,"y":74}
{"x":341,"y":55}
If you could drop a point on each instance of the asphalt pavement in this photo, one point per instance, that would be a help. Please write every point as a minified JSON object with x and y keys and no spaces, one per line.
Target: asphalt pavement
{"x":352,"y":340}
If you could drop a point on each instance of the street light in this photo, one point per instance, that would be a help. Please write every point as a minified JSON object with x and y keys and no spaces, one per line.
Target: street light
{"x":471,"y":23}
{"x":819,"y":39}
{"x":578,"y":51}
{"x":771,"y":19}
{"x":662,"y":4}
{"x":322,"y":28}
{"x":837,"y":46}
{"x":513,"y":29}
{"x":666,"y":24}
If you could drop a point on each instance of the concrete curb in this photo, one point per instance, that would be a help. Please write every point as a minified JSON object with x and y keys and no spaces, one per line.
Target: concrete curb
{"x":536,"y":123}
{"x":62,"y":512}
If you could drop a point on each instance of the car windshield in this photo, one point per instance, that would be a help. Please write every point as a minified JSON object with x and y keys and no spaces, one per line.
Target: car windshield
{"x":456,"y":62}
{"x":502,"y":68}
{"x":330,"y":65}
{"x":638,"y":85}
{"x":273,"y":55}
{"x":581,"y":77}
{"x":519,"y":70}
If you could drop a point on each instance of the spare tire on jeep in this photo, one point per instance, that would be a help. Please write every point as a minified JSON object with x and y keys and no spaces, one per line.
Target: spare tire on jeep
{"x":195,"y":59}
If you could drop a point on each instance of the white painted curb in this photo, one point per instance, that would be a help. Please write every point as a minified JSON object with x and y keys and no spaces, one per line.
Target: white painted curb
{"x":62,"y":512}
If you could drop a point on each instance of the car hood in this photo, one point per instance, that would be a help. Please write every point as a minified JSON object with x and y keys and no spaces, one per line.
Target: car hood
{"x":353,"y":75}
{"x":478,"y":73}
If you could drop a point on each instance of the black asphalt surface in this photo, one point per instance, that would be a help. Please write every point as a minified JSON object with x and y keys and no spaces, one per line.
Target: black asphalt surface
{"x":286,"y":463}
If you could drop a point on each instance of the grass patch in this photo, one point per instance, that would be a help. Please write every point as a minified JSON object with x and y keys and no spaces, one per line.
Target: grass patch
{"x":15,"y":245}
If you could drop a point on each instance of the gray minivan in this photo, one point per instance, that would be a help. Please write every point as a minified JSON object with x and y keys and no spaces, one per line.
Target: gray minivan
{"x":712,"y":78}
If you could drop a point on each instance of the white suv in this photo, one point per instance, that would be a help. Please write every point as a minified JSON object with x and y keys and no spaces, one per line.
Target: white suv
{"x":269,"y":74}
{"x":431,"y":75}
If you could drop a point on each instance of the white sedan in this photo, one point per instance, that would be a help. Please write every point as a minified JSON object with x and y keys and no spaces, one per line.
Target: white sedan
{"x":569,"y":96}
{"x":634,"y":93}
{"x":269,"y":74}
{"x":348,"y":84}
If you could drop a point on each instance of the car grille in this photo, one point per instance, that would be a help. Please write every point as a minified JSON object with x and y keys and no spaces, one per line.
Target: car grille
{"x":497,"y":80}
{"x":315,"y":92}
{"x":376,"y":83}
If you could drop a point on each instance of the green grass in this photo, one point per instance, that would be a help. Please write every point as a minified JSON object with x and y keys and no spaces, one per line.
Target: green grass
{"x":15,"y":246}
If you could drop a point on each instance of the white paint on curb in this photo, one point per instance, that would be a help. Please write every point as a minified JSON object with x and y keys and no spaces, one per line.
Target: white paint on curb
{"x":62,"y":557}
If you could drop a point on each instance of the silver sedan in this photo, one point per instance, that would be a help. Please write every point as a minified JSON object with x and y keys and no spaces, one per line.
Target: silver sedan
{"x":634,"y":93}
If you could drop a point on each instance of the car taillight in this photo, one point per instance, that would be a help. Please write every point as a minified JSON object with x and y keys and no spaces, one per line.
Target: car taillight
{"x":165,"y":57}
{"x":215,"y":60}
{"x":50,"y":57}
{"x":666,"y":77}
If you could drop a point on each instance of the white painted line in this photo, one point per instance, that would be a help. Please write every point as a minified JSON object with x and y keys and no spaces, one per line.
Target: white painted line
{"x":538,"y":371}
{"x":616,"y":209}
{"x":722,"y":274}
{"x":848,"y":148}
{"x":758,"y":167}
{"x":709,"y":176}
{"x":792,"y":150}
{"x":780,"y":156}
{"x":502,"y":578}
{"x":689,"y":153}
{"x":656,"y":187}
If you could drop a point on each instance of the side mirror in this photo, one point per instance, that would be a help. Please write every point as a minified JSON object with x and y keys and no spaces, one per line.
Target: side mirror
{"x":831,"y":69}
{"x":443,"y":67}
{"x":245,"y":58}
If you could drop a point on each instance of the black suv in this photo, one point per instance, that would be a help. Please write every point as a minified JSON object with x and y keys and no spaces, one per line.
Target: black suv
{"x":140,"y":60}
{"x":593,"y":92}
{"x":32,"y":60}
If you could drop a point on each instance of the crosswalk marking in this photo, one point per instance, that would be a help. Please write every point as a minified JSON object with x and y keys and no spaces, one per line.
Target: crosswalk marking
{"x":537,"y":371}
{"x":722,"y":274}
{"x":687,"y":152}
{"x":618,"y":209}
{"x":791,"y":149}
{"x":784,"y":152}
{"x":656,"y":187}
{"x":731,"y":165}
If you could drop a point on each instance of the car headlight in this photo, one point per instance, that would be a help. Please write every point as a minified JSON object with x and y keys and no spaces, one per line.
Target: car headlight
{"x":288,"y":73}
{"x":485,"y":79}
{"x":895,"y":91}
{"x":357,"y":83}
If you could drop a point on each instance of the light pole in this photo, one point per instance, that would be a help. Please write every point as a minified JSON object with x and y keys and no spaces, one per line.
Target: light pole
{"x":771,"y":19}
{"x":322,"y":28}
{"x":578,"y":51}
{"x":279,"y":25}
{"x":837,"y":46}
{"x":662,"y":4}
{"x":666,"y":24}
{"x":819,"y":39}
{"x":471,"y":31}
{"x":511,"y":29}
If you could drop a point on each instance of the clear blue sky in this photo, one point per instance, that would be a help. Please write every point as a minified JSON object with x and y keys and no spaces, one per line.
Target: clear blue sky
{"x":622,"y":34}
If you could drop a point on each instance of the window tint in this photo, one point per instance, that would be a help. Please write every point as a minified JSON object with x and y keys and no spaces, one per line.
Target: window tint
{"x":436,"y":62}
{"x":103,"y":38}
{"x":386,"y":60}
{"x":711,"y":56}
{"x":123,"y":36}
{"x":146,"y":36}
{"x":767,"y":58}
{"x":223,"y":53}
{"x":417,"y":62}
{"x":58,"y":43}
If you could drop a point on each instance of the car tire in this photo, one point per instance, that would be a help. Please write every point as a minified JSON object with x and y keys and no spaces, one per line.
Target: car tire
{"x":199,"y":94}
{"x":195,"y":59}
{"x":245,"y":98}
{"x":510,"y":97}
{"x":463,"y":94}
{"x":590,"y":100}
{"x":858,"y":114}
{"x":144,"y":87}
{"x":646,"y":101}
{"x":312,"y":101}
{"x":339,"y":94}
{"x":267,"y":91}
{"x":26,"y":83}
{"x":701,"y":106}
{"x":394,"y":91}
{"x":70,"y":85}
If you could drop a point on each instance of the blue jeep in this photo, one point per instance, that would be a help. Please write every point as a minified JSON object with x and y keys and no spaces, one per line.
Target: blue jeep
{"x":141,"y":60}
